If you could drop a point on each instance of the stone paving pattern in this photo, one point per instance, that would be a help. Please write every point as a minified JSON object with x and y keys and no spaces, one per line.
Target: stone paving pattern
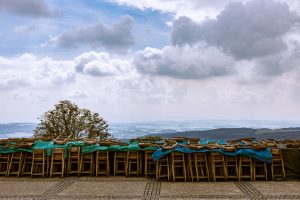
{"x":142,"y":188}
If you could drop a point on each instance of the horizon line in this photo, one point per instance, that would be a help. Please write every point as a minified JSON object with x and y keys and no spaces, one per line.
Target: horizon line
{"x":154,"y":121}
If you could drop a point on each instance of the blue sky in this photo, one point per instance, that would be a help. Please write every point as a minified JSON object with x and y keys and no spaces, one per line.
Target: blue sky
{"x":29,"y":34}
{"x":151,"y":60}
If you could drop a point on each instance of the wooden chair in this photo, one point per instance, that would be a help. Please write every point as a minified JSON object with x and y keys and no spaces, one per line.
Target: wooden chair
{"x":120,"y":163}
{"x":245,"y":168}
{"x":201,"y":166}
{"x":232,"y":167}
{"x":38,"y":164}
{"x":259,"y":170}
{"x":218,"y":166}
{"x":87,"y":164}
{"x":57,"y":162}
{"x":48,"y":165}
{"x":4,"y":163}
{"x":15,"y":165}
{"x":277,"y":165}
{"x":163,"y":168}
{"x":150,"y":164}
{"x":133,"y":163}
{"x":26,"y":166}
{"x":102,"y":163}
{"x":74,"y":161}
{"x":190,"y":166}
{"x":178,"y":166}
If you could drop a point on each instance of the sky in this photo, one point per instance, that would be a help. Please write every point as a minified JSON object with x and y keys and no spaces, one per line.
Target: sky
{"x":151,"y":60}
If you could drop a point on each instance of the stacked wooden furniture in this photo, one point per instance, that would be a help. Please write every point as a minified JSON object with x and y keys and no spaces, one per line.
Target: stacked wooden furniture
{"x":245,"y":168}
{"x":120,"y":163}
{"x":150,"y":165}
{"x":74,"y":161}
{"x":277,"y":165}
{"x":27,"y":164}
{"x":218,"y":166}
{"x":175,"y":165}
{"x":38,"y":164}
{"x":102,"y":163}
{"x":133,"y":164}
{"x":163,"y":168}
{"x":57,"y":166}
{"x":4,"y":163}
{"x":232,"y":167}
{"x":178,"y":166}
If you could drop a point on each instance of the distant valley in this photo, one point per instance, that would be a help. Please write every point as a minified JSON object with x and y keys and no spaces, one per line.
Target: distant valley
{"x":235,"y":133}
{"x":206,"y":129}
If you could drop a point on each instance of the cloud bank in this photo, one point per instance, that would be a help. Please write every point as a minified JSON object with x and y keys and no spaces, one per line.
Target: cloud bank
{"x":117,"y":36}
{"x":246,"y":31}
{"x":196,"y":62}
{"x":31,"y":8}
{"x":233,"y":61}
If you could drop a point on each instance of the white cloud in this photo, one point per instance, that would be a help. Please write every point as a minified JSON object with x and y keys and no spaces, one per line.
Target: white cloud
{"x":195,"y":9}
{"x":99,"y":64}
{"x":10,"y":80}
{"x":30,"y":71}
{"x":115,"y":37}
{"x":32,"y":8}
{"x":120,"y":78}
{"x":127,"y":94}
{"x":245,"y":30}
{"x":187,"y":62}
{"x":49,"y":80}
{"x":217,"y":66}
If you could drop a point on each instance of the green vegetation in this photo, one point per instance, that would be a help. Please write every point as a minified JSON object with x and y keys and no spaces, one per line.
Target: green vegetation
{"x":68,"y":119}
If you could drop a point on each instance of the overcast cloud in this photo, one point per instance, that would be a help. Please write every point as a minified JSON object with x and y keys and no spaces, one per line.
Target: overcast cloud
{"x":117,"y":36}
{"x":32,"y":8}
{"x":151,"y":60}
{"x":196,"y":62}
{"x":246,"y":31}
{"x":99,"y":64}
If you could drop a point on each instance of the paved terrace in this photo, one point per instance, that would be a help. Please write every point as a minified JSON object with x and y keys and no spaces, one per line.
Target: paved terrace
{"x":142,"y":188}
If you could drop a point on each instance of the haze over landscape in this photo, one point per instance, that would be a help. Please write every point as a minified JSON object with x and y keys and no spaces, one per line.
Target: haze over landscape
{"x":204,"y":129}
{"x":151,"y":67}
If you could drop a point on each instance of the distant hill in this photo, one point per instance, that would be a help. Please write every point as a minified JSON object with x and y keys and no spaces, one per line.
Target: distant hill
{"x":235,"y":133}
{"x":206,"y":129}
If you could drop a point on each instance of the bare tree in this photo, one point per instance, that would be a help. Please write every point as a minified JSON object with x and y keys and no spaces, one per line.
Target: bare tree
{"x":68,"y":119}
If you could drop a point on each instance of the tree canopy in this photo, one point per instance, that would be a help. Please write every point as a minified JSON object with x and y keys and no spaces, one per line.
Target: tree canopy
{"x":68,"y":119}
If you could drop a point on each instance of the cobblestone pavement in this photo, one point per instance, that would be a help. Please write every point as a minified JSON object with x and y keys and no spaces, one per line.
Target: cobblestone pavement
{"x":142,"y":188}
